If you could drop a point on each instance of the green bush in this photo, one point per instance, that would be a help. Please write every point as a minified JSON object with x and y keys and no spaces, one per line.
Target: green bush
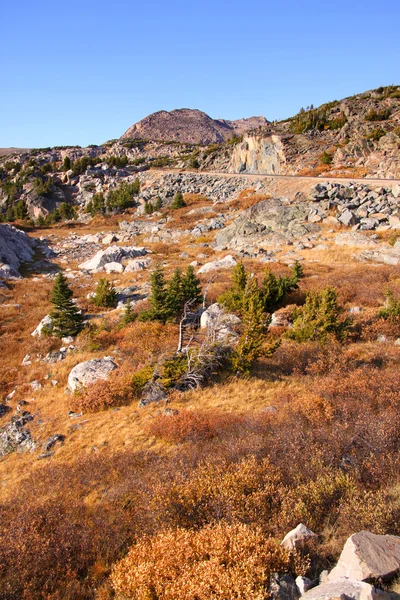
{"x":106,"y":294}
{"x":140,"y":378}
{"x":66,"y":211}
{"x":378,"y":115}
{"x":96,"y":205}
{"x":117,"y":161}
{"x":273,"y":290}
{"x":178,"y":201}
{"x":326,"y":158}
{"x":66,"y":319}
{"x":319,"y":318}
{"x":376,"y":134}
{"x":43,"y":187}
{"x":391,"y":310}
{"x":81,"y":164}
{"x":124,"y":196}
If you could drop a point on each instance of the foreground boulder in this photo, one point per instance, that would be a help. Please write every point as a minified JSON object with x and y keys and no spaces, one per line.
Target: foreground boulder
{"x":89,"y":372}
{"x":368,"y":557}
{"x":345,"y":588}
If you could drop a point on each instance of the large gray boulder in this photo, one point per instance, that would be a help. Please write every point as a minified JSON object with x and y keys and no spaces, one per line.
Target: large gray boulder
{"x":345,"y":588}
{"x":367,"y":556}
{"x":271,"y":220}
{"x":113,"y":254}
{"x":89,"y":372}
{"x":15,"y":248}
{"x":354,"y":239}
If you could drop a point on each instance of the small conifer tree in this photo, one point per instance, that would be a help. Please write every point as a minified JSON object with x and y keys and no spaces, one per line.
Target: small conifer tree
{"x":175,"y":292}
{"x":159,"y":310}
{"x":66,"y":318}
{"x":178,"y":201}
{"x":251,"y":344}
{"x":106,"y":294}
{"x":158,"y":203}
{"x":129,"y":316}
{"x":391,"y":310}
{"x":67,"y":164}
{"x":319,"y":318}
{"x":191,"y":287}
{"x":232,"y":299}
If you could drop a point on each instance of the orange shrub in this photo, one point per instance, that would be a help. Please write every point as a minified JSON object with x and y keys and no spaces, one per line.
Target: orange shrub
{"x":116,"y":391}
{"x":219,"y":561}
{"x":191,"y":425}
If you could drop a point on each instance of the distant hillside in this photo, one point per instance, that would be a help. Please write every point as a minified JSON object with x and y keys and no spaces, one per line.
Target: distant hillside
{"x":7,"y":151}
{"x":190,"y":127}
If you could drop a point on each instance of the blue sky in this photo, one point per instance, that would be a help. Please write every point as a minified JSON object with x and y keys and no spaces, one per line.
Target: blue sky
{"x":83,"y":72}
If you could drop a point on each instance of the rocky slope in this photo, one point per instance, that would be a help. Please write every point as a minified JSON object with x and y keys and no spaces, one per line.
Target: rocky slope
{"x":360,"y":134}
{"x":189,"y":127}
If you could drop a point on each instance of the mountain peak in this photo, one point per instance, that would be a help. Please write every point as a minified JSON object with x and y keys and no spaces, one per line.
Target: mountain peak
{"x":189,"y":126}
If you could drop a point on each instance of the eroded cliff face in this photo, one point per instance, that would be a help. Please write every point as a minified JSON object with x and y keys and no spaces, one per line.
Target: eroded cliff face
{"x":257,"y":154}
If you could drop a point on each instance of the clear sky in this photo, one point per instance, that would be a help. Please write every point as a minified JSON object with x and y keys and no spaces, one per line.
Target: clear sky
{"x":81,"y":72}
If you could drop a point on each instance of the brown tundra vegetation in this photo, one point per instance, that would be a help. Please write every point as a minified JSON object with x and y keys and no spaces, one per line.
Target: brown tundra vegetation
{"x":189,"y":498}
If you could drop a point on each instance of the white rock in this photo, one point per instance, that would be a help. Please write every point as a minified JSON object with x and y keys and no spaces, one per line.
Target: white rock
{"x":45,"y":322}
{"x":90,"y":371}
{"x":27,"y":360}
{"x":110,"y":238}
{"x":396,"y":190}
{"x":298,"y":537}
{"x":67,"y":340}
{"x":220,"y":323}
{"x":224,"y":263}
{"x":36,"y":386}
{"x":137,"y":265}
{"x":303,"y":584}
{"x":113,"y":267}
{"x":10,"y":395}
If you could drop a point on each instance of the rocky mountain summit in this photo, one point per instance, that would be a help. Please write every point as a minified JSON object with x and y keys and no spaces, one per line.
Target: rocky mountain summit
{"x":190,"y":126}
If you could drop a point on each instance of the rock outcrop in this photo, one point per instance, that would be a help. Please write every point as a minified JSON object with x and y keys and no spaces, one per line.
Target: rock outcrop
{"x":269,"y":222}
